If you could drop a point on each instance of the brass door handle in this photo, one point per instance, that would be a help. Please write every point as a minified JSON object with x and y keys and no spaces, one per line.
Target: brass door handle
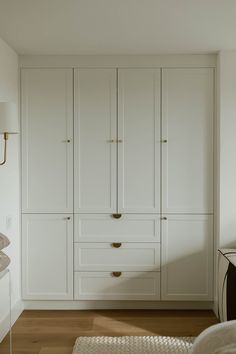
{"x":164,"y":141}
{"x":164,"y":218}
{"x":116,"y":216}
{"x":116,"y":244}
{"x":116,"y":274}
{"x":67,"y":218}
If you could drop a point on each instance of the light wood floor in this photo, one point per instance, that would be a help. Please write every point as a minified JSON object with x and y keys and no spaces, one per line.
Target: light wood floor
{"x":37,"y":329}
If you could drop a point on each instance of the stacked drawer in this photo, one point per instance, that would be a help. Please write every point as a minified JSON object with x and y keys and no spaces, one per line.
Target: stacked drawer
{"x":117,"y":257}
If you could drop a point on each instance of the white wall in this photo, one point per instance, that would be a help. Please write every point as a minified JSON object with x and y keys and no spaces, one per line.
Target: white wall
{"x":9,"y":175}
{"x":227,"y":149}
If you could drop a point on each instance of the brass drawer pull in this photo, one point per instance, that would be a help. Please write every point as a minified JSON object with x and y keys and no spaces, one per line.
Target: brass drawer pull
{"x":164,"y":218}
{"x":116,"y":216}
{"x":119,"y":141}
{"x":116,"y":274}
{"x":68,"y":218}
{"x":111,"y":141}
{"x":164,"y":141}
{"x":116,"y":244}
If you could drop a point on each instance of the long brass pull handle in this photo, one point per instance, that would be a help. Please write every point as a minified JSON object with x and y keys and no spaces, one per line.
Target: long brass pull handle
{"x":116,"y":244}
{"x":116,"y":216}
{"x":116,"y":274}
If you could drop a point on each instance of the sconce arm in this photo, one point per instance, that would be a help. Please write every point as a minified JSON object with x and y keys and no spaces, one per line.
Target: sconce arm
{"x":5,"y":137}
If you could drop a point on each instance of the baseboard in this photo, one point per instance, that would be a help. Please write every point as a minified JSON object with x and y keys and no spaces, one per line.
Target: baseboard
{"x":116,"y":305}
{"x":16,"y":311}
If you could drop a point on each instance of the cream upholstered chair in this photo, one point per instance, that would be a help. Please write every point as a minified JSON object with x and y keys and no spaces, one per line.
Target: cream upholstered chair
{"x":217,"y":339}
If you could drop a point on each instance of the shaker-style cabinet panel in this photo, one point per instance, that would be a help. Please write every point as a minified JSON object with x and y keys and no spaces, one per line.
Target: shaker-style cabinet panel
{"x":47,"y":257}
{"x":139,"y":140}
{"x":47,"y":146}
{"x":187,"y":257}
{"x":95,"y":146}
{"x":187,"y":136}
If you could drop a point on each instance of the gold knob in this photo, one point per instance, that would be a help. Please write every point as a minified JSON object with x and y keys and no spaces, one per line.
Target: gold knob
{"x":164,"y":141}
{"x":68,"y":218}
{"x":116,"y":216}
{"x":68,"y":140}
{"x":116,"y":244}
{"x":164,"y":218}
{"x":116,"y":274}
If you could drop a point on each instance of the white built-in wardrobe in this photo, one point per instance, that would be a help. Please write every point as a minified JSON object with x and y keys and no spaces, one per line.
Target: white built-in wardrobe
{"x":117,"y":183}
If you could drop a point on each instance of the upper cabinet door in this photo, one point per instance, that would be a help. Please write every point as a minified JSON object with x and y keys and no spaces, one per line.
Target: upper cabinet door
{"x":187,"y":125}
{"x":95,"y":140}
{"x":139,"y":140}
{"x":47,"y":147}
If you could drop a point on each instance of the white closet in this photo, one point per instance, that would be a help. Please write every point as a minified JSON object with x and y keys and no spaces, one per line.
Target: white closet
{"x":142,"y":190}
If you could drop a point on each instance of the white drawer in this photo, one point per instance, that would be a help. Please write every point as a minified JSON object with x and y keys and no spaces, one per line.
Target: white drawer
{"x":127,"y":257}
{"x":129,"y":228}
{"x":106,"y":286}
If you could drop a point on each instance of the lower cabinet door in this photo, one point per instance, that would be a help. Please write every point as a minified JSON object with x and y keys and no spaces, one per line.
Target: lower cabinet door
{"x":117,"y":286}
{"x":47,"y":257}
{"x":187,"y":258}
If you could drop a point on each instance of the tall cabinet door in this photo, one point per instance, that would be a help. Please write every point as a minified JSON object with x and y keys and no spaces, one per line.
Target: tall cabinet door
{"x":187,"y":132}
{"x":187,"y":257}
{"x":47,"y":147}
{"x":47,"y":257}
{"x":139,"y":140}
{"x":95,"y":141}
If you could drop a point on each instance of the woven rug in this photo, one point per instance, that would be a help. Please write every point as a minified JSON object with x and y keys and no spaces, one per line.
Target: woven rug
{"x":133,"y":345}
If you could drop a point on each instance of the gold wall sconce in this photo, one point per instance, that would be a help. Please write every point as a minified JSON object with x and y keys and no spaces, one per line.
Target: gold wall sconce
{"x":8,"y":124}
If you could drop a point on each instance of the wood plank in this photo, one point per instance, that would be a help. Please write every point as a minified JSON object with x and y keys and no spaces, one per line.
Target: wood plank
{"x":35,"y":330}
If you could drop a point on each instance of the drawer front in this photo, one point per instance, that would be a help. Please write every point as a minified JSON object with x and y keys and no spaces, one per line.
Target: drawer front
{"x":117,"y":256}
{"x":128,"y":228}
{"x":127,"y":286}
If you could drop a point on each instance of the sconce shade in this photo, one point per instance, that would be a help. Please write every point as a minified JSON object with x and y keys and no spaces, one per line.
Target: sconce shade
{"x":8,"y":118}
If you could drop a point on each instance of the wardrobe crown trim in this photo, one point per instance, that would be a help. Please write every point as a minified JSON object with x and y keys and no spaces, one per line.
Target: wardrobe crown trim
{"x":118,"y":61}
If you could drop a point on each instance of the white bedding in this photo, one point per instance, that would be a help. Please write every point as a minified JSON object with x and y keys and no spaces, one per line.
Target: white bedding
{"x":217,"y":339}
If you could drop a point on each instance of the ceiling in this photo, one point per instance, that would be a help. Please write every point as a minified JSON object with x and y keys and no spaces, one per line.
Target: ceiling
{"x":118,"y":26}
